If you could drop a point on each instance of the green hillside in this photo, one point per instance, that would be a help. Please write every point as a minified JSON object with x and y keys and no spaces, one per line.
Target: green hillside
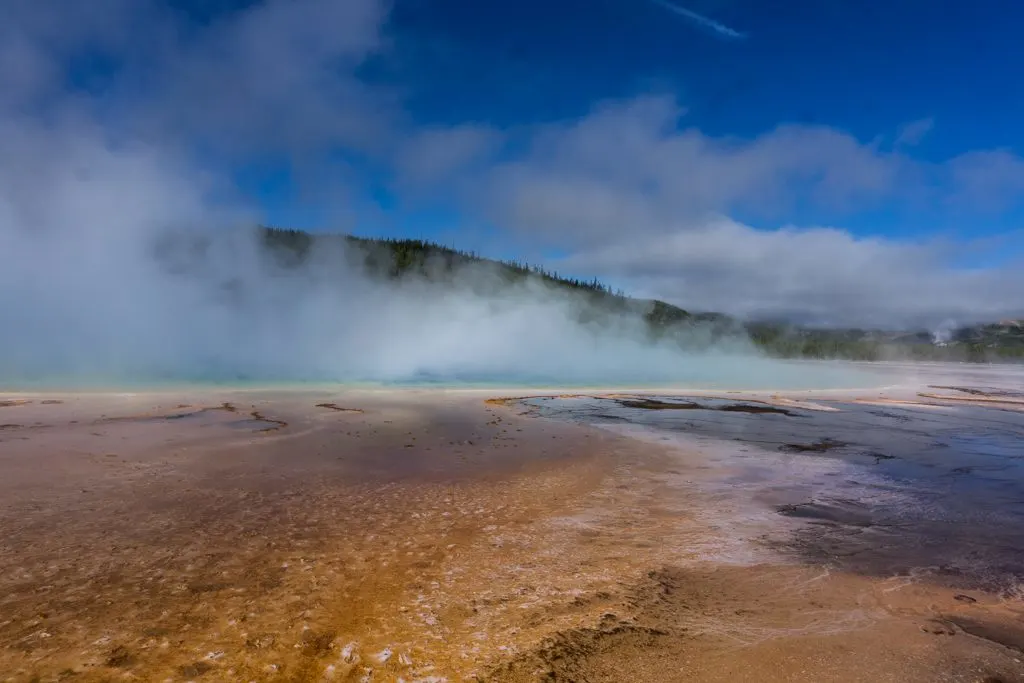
{"x":396,"y":259}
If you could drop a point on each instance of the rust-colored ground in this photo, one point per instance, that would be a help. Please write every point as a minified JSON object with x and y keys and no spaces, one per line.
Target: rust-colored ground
{"x":417,"y":535}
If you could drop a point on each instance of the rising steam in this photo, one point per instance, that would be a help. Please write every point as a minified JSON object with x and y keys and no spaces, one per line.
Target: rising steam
{"x":125,"y":255}
{"x":115,"y":266}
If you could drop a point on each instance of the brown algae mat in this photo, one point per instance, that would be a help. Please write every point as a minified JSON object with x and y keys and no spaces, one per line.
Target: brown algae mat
{"x":420,"y":536}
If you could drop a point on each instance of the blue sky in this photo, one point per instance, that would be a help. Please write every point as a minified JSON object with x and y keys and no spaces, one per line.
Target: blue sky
{"x":866,"y":67}
{"x":842,"y":161}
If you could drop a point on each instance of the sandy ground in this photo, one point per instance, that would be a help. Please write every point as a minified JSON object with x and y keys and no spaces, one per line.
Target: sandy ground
{"x":422,"y":536}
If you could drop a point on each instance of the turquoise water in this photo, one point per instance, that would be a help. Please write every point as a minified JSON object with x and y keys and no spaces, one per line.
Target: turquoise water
{"x":711,"y":372}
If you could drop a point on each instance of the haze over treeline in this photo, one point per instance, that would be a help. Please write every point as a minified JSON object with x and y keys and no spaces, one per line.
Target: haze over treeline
{"x":690,"y":330}
{"x":195,"y":305}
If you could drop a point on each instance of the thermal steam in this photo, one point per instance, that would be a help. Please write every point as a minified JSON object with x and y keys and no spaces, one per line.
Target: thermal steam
{"x":115,"y":266}
{"x":127,"y":255}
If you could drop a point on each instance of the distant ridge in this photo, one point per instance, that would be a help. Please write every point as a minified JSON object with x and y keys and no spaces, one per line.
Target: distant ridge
{"x":401,"y":258}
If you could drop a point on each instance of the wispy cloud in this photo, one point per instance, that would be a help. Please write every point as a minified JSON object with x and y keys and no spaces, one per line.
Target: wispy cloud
{"x":718,"y":28}
{"x":631,"y":196}
{"x":915,"y":131}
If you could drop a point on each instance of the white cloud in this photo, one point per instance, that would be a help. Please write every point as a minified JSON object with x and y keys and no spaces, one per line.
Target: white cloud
{"x":279,"y":75}
{"x":275,"y":76}
{"x":37,"y":37}
{"x":914,"y":132}
{"x":816,"y":275}
{"x":629,"y":164}
{"x":430,"y":158}
{"x":992,"y":180}
{"x":634,"y":198}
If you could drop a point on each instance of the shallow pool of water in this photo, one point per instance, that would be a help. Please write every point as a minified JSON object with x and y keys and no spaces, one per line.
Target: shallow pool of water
{"x":878,"y":489}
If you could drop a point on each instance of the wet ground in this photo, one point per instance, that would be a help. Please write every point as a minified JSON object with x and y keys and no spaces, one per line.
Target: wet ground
{"x":929,"y":483}
{"x":432,"y":535}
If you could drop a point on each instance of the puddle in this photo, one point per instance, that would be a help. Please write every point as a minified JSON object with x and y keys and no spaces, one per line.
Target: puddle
{"x":253,"y":425}
{"x":850,"y":512}
{"x":335,"y":407}
{"x":823,"y":445}
{"x":708,"y":404}
{"x":982,"y":392}
{"x":225,"y":415}
{"x":994,"y":443}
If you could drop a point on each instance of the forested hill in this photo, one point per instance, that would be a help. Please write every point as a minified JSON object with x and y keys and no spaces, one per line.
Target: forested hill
{"x":403,"y":258}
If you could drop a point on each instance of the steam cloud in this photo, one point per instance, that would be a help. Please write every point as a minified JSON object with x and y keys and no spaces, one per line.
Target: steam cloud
{"x":89,"y":291}
{"x":93,"y":185}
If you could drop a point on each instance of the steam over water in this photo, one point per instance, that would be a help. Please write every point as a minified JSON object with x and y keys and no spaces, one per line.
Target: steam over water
{"x":95,"y":305}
